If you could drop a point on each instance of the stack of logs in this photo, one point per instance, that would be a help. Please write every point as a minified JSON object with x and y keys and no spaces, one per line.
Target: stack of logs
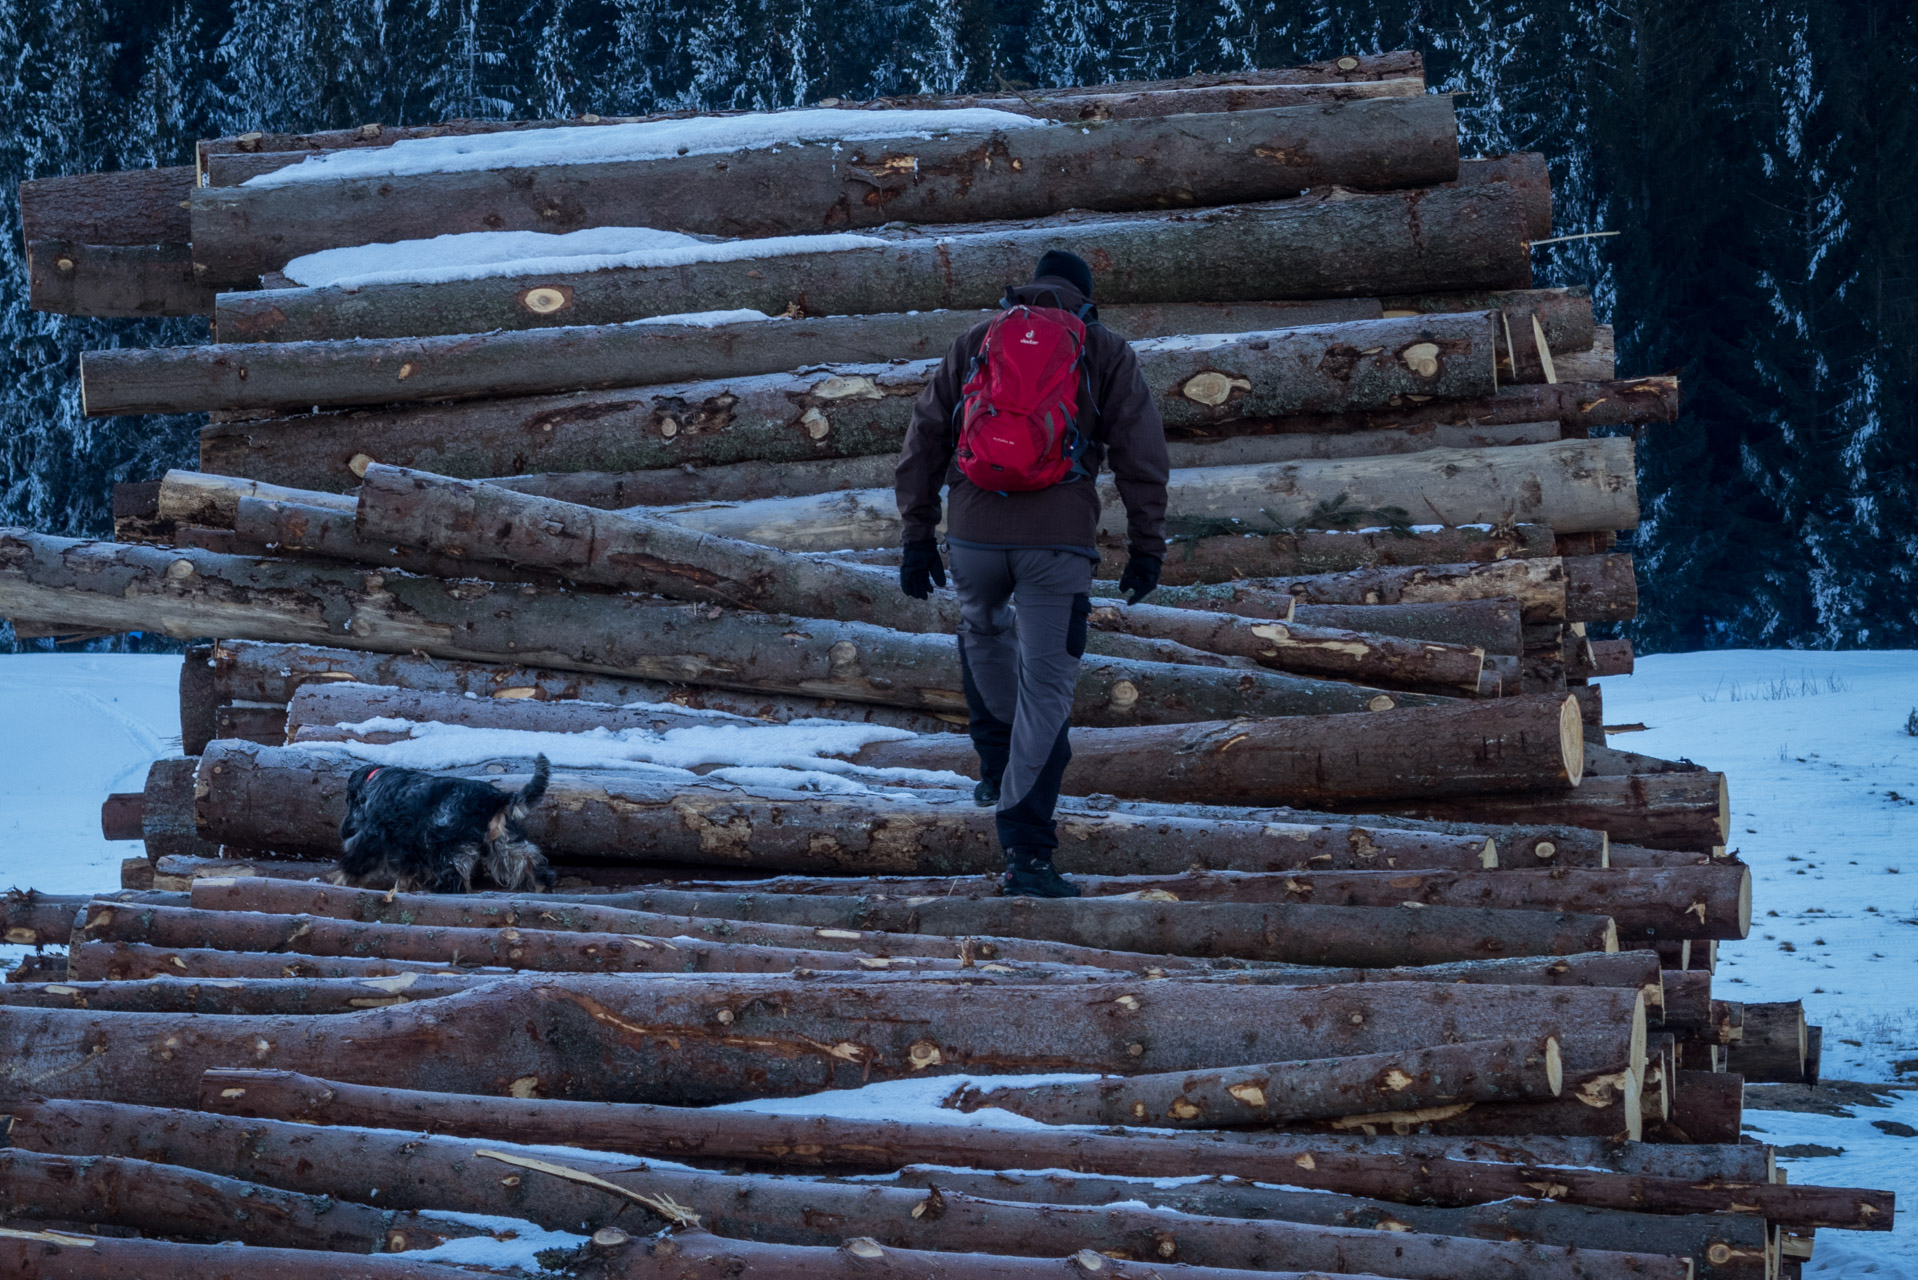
{"x":1387,"y":964}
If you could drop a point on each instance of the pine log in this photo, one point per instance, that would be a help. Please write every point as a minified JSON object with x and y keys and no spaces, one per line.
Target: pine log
{"x":1665,"y":902}
{"x":1689,"y":811}
{"x":1578,"y":407}
{"x":297,"y":376}
{"x":440,"y":1172}
{"x":199,"y":498}
{"x":1512,"y":744}
{"x":665,"y":1040}
{"x":700,"y":1253}
{"x":463,"y":914}
{"x":66,"y":1255}
{"x":1707,"y":1106}
{"x":1537,"y":584}
{"x":267,"y":674}
{"x":1276,"y":1092}
{"x":512,"y":947}
{"x":1564,"y":316}
{"x":240,"y":233}
{"x":130,"y":207}
{"x":632,"y":551}
{"x":292,"y":800}
{"x":1492,"y":625}
{"x":306,"y":996}
{"x":192,"y":593}
{"x":1611,"y":657}
{"x":1721,"y":1246}
{"x":165,"y":1200}
{"x":1321,"y":245}
{"x":848,"y":410}
{"x":1197,"y":558}
{"x":137,"y":961}
{"x":1568,"y":484}
{"x":882,"y":1146}
{"x":1702,"y":1178}
{"x":1365,"y":75}
{"x":167,"y":823}
{"x":71,"y":278}
{"x":31,"y":918}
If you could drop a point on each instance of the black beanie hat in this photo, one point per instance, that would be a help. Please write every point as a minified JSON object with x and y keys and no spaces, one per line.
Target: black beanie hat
{"x":1069,"y":267}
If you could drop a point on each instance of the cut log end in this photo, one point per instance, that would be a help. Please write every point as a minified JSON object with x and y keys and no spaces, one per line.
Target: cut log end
{"x":1571,"y":737}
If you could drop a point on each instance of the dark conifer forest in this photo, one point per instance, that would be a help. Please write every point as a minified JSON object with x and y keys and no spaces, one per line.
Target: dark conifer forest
{"x":1758,"y":158}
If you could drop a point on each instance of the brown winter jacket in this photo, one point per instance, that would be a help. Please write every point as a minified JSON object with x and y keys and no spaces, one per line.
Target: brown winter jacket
{"x":1127,"y":433}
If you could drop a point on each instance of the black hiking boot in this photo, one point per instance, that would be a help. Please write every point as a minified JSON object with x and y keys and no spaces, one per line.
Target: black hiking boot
{"x":1031,"y":875}
{"x":986,"y":794}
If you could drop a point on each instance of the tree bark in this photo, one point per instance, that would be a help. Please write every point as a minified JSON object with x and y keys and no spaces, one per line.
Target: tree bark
{"x":165,"y":1200}
{"x":1276,"y":1092}
{"x":1568,"y":484}
{"x":1661,"y":810}
{"x":292,"y":801}
{"x":596,"y":1038}
{"x":1773,"y":1048}
{"x":289,"y":376}
{"x":1537,"y":584}
{"x":192,"y":593}
{"x":1491,"y":625}
{"x":129,"y":207}
{"x":1194,"y":558}
{"x":1600,"y":589}
{"x":1512,"y":744}
{"x":848,"y":410}
{"x":1467,"y":236}
{"x":1707,"y":1106}
{"x":138,"y":961}
{"x":439,"y":1172}
{"x":65,"y":1256}
{"x":31,"y":918}
{"x":67,"y":277}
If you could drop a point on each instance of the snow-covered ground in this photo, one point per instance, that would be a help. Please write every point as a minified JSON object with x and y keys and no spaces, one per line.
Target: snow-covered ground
{"x":1824,"y":788}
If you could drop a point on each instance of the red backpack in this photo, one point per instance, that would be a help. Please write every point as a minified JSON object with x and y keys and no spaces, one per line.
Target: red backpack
{"x":1019,"y":410}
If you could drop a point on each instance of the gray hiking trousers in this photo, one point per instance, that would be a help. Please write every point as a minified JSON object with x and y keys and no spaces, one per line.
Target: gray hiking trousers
{"x":1022,"y":630}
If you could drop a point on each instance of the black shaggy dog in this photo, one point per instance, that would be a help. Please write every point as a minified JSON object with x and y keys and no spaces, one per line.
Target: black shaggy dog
{"x":415,"y":831}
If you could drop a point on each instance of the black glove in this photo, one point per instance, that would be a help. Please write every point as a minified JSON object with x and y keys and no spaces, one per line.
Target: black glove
{"x":1140,"y":577}
{"x":922,"y":569}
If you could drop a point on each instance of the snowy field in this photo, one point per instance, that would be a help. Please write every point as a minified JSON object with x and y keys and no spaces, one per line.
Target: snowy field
{"x":1824,"y":788}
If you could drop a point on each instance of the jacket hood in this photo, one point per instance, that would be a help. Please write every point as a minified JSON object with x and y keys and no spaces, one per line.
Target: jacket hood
{"x":1051,"y":291}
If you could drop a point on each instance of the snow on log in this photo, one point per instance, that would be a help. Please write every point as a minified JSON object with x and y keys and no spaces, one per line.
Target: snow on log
{"x":796,"y":172}
{"x":1337,"y":244}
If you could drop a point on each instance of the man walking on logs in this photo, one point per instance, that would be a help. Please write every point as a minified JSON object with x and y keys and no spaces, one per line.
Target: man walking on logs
{"x":1016,"y":423}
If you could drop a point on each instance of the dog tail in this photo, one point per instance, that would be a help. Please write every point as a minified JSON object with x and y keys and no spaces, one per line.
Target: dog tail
{"x":529,"y":795}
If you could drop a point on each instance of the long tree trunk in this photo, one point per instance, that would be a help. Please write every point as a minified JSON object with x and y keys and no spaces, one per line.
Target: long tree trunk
{"x":307,"y":996}
{"x":842,"y":410}
{"x":664,"y":1040}
{"x":192,"y":593}
{"x":264,"y":674}
{"x":166,"y":1200}
{"x":292,"y":801}
{"x":1396,"y":74}
{"x":538,"y":362}
{"x":1707,"y":901}
{"x":1537,"y":584}
{"x":965,"y":175}
{"x":512,"y":947}
{"x":464,"y":520}
{"x":121,"y":280}
{"x":116,"y":962}
{"x":464,"y":914}
{"x":1275,"y":1092}
{"x":1195,"y":557}
{"x":1660,"y":1179}
{"x":1690,"y":811}
{"x":1466,"y":236}
{"x":437,"y":1172}
{"x":1569,"y":484}
{"x":1513,"y":744}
